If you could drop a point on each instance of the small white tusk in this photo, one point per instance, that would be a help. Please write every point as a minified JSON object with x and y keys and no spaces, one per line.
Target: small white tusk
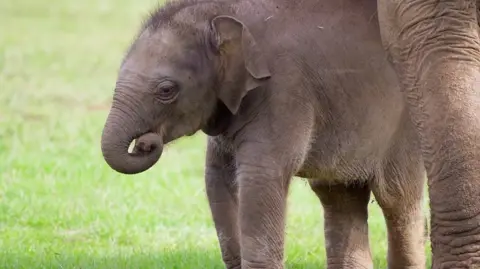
{"x":132,"y":145}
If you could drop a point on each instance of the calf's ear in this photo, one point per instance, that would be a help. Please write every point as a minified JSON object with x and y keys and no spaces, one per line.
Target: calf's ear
{"x":243,"y":61}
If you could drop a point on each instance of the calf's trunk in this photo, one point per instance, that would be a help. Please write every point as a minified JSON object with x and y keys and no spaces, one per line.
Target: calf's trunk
{"x":119,"y":131}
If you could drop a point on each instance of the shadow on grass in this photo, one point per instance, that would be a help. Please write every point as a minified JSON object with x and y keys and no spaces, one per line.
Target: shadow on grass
{"x":171,"y":259}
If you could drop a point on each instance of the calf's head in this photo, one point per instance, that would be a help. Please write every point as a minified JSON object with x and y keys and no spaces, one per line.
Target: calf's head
{"x":178,"y":78}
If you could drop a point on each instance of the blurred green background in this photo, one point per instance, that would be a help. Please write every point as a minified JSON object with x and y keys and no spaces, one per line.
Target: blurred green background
{"x":61,"y":206}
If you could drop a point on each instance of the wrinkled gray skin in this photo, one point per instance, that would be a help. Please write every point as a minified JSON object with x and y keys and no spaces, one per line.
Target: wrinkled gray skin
{"x":306,"y":89}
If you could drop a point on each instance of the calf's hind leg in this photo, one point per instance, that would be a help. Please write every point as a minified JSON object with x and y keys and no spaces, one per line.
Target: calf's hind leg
{"x":399,"y":195}
{"x":346,"y":227}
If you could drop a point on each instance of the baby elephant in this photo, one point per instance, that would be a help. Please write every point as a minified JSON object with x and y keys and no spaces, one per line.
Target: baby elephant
{"x":282,"y":88}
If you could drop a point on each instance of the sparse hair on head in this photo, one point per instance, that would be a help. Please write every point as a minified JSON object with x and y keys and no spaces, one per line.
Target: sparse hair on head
{"x":166,"y":13}
{"x":183,"y":16}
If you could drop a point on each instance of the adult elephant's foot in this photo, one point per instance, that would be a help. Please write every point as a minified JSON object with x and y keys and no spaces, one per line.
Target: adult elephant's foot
{"x":435,"y":48}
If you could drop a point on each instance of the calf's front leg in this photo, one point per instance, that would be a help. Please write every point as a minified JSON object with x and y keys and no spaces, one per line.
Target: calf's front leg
{"x":263,"y":186}
{"x":222,"y":196}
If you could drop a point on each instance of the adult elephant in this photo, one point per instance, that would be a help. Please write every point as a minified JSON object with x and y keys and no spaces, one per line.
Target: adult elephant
{"x":435,"y":48}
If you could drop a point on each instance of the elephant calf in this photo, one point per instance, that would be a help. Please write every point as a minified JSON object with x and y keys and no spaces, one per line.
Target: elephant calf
{"x":282,"y":88}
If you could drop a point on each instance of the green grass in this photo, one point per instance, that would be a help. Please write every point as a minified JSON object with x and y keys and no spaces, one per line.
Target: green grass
{"x":61,"y":206}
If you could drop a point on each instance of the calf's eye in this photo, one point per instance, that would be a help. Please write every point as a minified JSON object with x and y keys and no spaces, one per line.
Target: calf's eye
{"x":167,"y":91}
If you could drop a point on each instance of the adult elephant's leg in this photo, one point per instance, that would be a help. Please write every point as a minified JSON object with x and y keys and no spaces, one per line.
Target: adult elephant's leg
{"x":346,"y":226}
{"x":434,"y":46}
{"x":478,"y":12}
{"x":222,"y":196}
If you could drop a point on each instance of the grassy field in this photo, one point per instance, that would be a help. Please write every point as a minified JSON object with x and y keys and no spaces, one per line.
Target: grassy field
{"x":61,"y":206}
